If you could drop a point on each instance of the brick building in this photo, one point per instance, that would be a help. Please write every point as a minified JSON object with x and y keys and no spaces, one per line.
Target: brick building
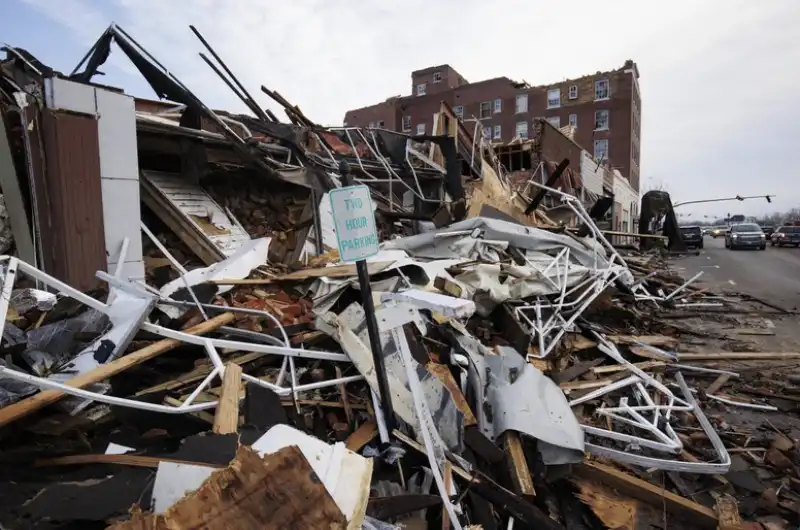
{"x":605,"y":108}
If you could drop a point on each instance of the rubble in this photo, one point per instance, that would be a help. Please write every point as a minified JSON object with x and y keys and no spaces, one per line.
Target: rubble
{"x":219,"y":371}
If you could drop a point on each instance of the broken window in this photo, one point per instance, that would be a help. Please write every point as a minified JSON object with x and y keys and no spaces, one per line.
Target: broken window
{"x":486,"y":109}
{"x":601,"y":120}
{"x":553,"y":98}
{"x":381,"y":123}
{"x":601,"y":149}
{"x":459,"y":112}
{"x":420,"y":128}
{"x":421,"y":89}
{"x":522,"y":103}
{"x":601,"y":89}
{"x":498,"y":106}
{"x":522,"y":129}
{"x":573,"y":92}
{"x":573,"y":120}
{"x":437,"y":77}
{"x":406,"y":123}
{"x":555,"y":121}
{"x":497,"y":132}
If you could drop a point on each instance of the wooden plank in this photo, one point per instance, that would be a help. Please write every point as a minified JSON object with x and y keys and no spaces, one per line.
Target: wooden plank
{"x":648,"y":365}
{"x":276,"y":492}
{"x":338,"y":271}
{"x":348,"y":410}
{"x":717,"y":384}
{"x":123,"y":460}
{"x":518,"y":464}
{"x":646,"y":492}
{"x":29,"y":405}
{"x":659,"y":341}
{"x":443,"y":374}
{"x":197,"y":374}
{"x":728,"y":513}
{"x":362,"y":436}
{"x":739,"y":356}
{"x":226,"y":419}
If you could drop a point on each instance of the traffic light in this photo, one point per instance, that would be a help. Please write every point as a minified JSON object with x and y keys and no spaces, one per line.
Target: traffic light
{"x":769,"y":199}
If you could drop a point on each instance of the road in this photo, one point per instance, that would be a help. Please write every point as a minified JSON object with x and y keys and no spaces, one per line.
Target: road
{"x":772,"y":274}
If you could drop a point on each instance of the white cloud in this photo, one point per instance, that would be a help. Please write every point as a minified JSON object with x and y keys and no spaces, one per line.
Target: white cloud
{"x":718,"y":77}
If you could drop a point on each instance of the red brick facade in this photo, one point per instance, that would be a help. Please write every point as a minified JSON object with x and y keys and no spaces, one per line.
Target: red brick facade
{"x":493,"y":103}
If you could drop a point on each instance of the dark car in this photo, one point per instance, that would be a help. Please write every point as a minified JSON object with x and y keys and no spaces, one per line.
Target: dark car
{"x":692,"y":236}
{"x":786,"y":235}
{"x":745,"y":235}
{"x":768,"y":231}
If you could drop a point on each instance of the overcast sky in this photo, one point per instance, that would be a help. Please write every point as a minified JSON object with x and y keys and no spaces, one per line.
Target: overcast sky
{"x":718,"y":77}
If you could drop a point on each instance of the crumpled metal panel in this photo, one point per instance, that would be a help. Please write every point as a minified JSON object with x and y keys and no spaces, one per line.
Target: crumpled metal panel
{"x":511,"y":394}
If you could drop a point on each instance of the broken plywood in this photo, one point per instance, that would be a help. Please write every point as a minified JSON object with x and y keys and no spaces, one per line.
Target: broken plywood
{"x":277,"y":492}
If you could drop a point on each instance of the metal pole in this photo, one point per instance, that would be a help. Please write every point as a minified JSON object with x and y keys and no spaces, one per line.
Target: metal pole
{"x":737,"y":198}
{"x":372,"y":324}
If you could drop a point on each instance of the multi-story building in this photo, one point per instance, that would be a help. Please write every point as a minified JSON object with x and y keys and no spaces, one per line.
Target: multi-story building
{"x":605,"y":109}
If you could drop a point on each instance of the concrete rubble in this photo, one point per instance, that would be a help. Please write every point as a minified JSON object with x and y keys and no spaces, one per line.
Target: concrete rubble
{"x":211,"y":366}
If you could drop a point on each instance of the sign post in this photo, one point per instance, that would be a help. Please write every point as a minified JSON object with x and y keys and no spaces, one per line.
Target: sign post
{"x":357,"y":237}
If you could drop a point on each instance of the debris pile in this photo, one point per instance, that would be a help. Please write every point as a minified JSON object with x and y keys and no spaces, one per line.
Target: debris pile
{"x":485,"y":368}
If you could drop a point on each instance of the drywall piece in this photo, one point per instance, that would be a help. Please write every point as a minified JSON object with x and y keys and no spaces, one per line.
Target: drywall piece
{"x":117,"y":449}
{"x":345,"y":474}
{"x":175,"y":481}
{"x":122,"y":218}
{"x":67,"y":95}
{"x":117,"y":127}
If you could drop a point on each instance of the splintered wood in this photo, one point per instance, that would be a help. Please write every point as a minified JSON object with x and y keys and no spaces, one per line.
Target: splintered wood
{"x":614,"y":511}
{"x":277,"y":492}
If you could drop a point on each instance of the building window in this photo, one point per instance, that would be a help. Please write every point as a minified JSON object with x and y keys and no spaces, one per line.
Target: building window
{"x":497,"y":135}
{"x":555,"y":121}
{"x":437,"y":77}
{"x":381,"y":123}
{"x":498,"y":106}
{"x":371,"y":124}
{"x":459,"y":112}
{"x":573,"y":120}
{"x":553,"y":98}
{"x":522,"y":129}
{"x":420,"y":129}
{"x":573,"y":92}
{"x":601,"y":120}
{"x":406,"y":123}
{"x":486,"y":109}
{"x":601,"y":149}
{"x":601,"y":90}
{"x":487,"y":132}
{"x":522,"y":103}
{"x":421,"y":89}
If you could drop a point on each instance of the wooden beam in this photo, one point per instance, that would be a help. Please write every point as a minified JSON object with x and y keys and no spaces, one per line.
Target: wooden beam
{"x":123,"y":460}
{"x":348,"y":410}
{"x":27,"y":406}
{"x":717,"y":384}
{"x":226,"y":419}
{"x":740,"y":356}
{"x":646,"y":492}
{"x":518,"y":464}
{"x":362,"y":436}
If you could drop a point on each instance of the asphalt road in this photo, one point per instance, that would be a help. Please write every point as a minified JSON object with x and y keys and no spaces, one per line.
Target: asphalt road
{"x":772,"y":274}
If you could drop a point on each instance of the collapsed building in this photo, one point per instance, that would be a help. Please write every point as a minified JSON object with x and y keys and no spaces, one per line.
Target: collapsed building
{"x":184,"y":347}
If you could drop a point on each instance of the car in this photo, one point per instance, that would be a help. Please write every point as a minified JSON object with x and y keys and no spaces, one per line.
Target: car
{"x":718,"y":231}
{"x":692,"y":236}
{"x":785,"y":235}
{"x":768,"y":230}
{"x":745,"y":235}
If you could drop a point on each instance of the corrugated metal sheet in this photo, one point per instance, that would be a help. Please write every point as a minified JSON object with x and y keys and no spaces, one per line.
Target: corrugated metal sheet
{"x":199,"y":209}
{"x":73,"y":235}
